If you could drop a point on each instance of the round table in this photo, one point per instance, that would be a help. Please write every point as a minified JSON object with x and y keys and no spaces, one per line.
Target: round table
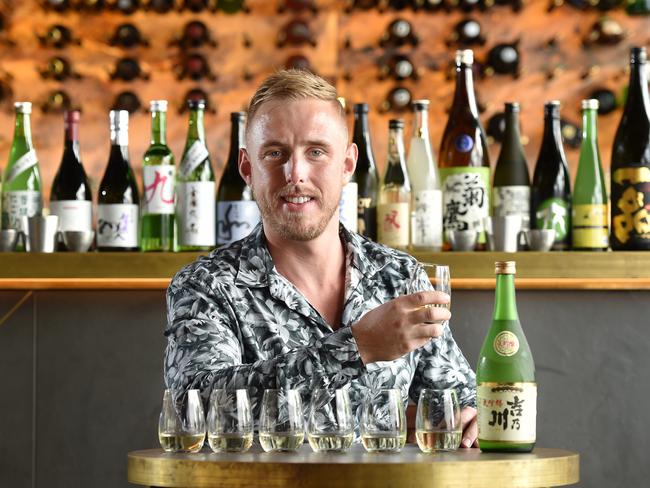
{"x":467,"y":468}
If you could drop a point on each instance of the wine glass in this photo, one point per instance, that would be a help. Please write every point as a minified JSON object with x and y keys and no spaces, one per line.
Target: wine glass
{"x":441,"y":281}
{"x":230,"y":424}
{"x":181,"y":431}
{"x":281,"y":422}
{"x":330,"y":426}
{"x":438,"y":424}
{"x":383,"y":421}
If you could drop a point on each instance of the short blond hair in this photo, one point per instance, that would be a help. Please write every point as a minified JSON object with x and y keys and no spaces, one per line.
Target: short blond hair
{"x":293,"y":84}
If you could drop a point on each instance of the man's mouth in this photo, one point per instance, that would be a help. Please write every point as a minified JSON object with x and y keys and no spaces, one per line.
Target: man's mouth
{"x":297,"y":199}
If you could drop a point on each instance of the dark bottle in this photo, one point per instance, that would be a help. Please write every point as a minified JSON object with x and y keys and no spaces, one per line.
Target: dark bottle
{"x":57,"y":36}
{"x":398,"y":67}
{"x":464,"y":159}
{"x":127,"y":100}
{"x":195,"y":34}
{"x":467,"y":32}
{"x":496,"y":128}
{"x":128,"y":69}
{"x":57,"y":101}
{"x":550,"y":199}
{"x":71,"y":198}
{"x":430,"y":5}
{"x":118,"y":201}
{"x":399,"y":33}
{"x":511,"y":184}
{"x":361,"y":4}
{"x":296,"y":33}
{"x":630,"y":167}
{"x":503,"y":59}
{"x":90,"y":5}
{"x":195,"y":66}
{"x":605,"y":32}
{"x":237,"y":212}
{"x":605,"y":5}
{"x":127,"y":7}
{"x":57,"y":5}
{"x":58,"y":68}
{"x":297,"y":6}
{"x":606,"y":100}
{"x":195,"y":6}
{"x":232,"y":6}
{"x":161,"y":6}
{"x":365,"y":175}
{"x":400,"y":4}
{"x":127,"y":35}
{"x":469,"y":5}
{"x":397,"y":100}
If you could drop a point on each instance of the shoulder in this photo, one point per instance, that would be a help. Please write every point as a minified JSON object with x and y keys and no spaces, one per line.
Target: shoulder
{"x":385,"y":260}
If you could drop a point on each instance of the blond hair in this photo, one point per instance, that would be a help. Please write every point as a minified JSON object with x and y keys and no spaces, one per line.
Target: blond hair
{"x":293,"y":84}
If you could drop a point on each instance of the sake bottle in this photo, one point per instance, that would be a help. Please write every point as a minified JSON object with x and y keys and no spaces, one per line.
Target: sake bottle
{"x":630,"y":168}
{"x":237,"y":212}
{"x":159,"y":181}
{"x":426,"y":196}
{"x":393,"y":209}
{"x":506,"y":392}
{"x":590,"y":214}
{"x":196,"y":204}
{"x":511,"y":185}
{"x":550,"y":196}
{"x":365,"y":174}
{"x":21,"y":188}
{"x":464,"y":158}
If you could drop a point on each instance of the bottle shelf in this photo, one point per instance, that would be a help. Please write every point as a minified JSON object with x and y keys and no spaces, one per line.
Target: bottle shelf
{"x":469,"y":270}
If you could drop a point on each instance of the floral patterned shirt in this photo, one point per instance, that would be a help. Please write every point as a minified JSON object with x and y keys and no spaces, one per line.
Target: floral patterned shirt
{"x":235,"y":322}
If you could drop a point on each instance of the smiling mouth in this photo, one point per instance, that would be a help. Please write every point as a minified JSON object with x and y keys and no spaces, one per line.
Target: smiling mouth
{"x":297,"y":200}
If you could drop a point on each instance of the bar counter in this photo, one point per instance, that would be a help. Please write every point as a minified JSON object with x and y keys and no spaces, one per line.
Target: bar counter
{"x":470,"y":270}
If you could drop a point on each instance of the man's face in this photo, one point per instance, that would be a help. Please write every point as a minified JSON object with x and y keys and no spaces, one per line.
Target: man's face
{"x":297,"y":160}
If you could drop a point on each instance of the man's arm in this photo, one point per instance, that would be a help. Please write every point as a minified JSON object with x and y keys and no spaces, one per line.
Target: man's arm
{"x":204,"y":350}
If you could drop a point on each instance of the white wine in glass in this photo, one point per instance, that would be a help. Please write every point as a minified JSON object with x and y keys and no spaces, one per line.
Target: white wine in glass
{"x":281,"y":441}
{"x":330,"y":441}
{"x":431,"y":441}
{"x":384,"y":441}
{"x":227,"y":442}
{"x":181,"y":442}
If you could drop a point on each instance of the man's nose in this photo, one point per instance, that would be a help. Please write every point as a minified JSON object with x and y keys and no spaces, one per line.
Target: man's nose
{"x":296,"y":169}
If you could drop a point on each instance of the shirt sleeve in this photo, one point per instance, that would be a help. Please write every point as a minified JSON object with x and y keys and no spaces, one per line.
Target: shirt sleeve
{"x":204,"y":350}
{"x":441,"y":363}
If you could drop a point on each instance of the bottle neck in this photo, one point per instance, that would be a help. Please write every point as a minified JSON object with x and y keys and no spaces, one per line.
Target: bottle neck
{"x":158,"y":128}
{"x":464,"y":96}
{"x":421,"y":124}
{"x":236,"y":143}
{"x":22,"y":130}
{"x":71,"y":137}
{"x":196,"y":129}
{"x":637,"y":92}
{"x":511,"y":134}
{"x":505,"y":302}
{"x":396,"y":147}
{"x":589,"y":124}
{"x":552,"y":130}
{"x":362,"y":140}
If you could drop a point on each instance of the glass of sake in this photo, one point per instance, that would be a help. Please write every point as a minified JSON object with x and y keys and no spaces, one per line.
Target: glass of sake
{"x":181,"y":430}
{"x":383,"y":421}
{"x":230,"y":423}
{"x":440,"y":279}
{"x":438,"y":425}
{"x":330,"y":425}
{"x":281,"y":426}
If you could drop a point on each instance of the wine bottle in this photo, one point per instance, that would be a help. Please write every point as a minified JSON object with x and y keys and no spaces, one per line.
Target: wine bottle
{"x":159,"y":180}
{"x":503,"y":59}
{"x":57,"y":36}
{"x":511,"y":185}
{"x":393,"y":207}
{"x":237,"y":212}
{"x":398,"y":67}
{"x":464,"y":158}
{"x":297,"y":32}
{"x":232,"y":6}
{"x":57,"y":101}
{"x":589,"y":223}
{"x":71,"y":198}
{"x":426,"y":196}
{"x":195,"y":209}
{"x":195,"y":34}
{"x":118,"y":201}
{"x":127,"y":69}
{"x":506,"y":391}
{"x":630,"y":168}
{"x":550,"y":203}
{"x":467,"y":32}
{"x":127,"y":35}
{"x":21,"y":188}
{"x":399,"y":33}
{"x":365,"y":174}
{"x":398,"y":99}
{"x":127,"y":100}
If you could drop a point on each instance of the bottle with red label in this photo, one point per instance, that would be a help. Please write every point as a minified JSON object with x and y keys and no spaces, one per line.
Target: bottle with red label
{"x":506,"y":392}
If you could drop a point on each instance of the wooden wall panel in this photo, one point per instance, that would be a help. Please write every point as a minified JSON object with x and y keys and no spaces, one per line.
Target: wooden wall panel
{"x":22,"y":57}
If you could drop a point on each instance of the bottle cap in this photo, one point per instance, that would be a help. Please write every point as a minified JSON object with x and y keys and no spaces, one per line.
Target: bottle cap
{"x":552,"y":108}
{"x":23,"y":107}
{"x":341,"y":100}
{"x":505,"y":267}
{"x":196,"y":104}
{"x":237,"y":116}
{"x":512,"y":107}
{"x":158,"y":105}
{"x":590,"y":104}
{"x":422,"y":104}
{"x":361,"y":108}
{"x":465,"y":56}
{"x":395,"y":124}
{"x":71,"y":116}
{"x":119,"y":120}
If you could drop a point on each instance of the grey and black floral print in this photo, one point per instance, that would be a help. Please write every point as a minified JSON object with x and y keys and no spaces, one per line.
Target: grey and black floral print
{"x":235,"y":322}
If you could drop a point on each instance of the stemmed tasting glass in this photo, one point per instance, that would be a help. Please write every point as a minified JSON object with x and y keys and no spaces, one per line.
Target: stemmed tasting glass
{"x":440,"y":279}
{"x":438,"y":425}
{"x":182,"y":431}
{"x":281,"y":426}
{"x":383,"y":421}
{"x":230,"y":423}
{"x":330,"y":426}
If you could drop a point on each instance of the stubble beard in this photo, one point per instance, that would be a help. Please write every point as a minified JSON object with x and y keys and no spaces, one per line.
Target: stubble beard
{"x":293,"y":226}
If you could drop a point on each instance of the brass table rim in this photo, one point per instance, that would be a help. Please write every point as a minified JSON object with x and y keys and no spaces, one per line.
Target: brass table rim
{"x":541,"y":468}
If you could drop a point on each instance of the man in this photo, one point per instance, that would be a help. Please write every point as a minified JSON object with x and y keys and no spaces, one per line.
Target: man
{"x":302,"y":302}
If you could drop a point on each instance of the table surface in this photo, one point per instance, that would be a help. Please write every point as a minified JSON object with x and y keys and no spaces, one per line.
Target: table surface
{"x":468,"y":468}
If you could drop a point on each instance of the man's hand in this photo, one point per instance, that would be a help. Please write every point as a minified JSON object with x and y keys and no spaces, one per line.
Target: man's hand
{"x":400,"y":326}
{"x":469,"y":423}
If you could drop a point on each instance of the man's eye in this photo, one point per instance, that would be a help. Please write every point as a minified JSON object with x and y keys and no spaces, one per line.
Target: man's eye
{"x":274,"y":154}
{"x":316,"y":152}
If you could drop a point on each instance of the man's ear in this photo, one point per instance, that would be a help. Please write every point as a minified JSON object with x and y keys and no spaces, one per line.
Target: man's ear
{"x":244,"y":164}
{"x":350,"y":163}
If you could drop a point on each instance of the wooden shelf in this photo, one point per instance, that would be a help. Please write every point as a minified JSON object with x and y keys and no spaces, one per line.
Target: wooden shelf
{"x":475,"y":270}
